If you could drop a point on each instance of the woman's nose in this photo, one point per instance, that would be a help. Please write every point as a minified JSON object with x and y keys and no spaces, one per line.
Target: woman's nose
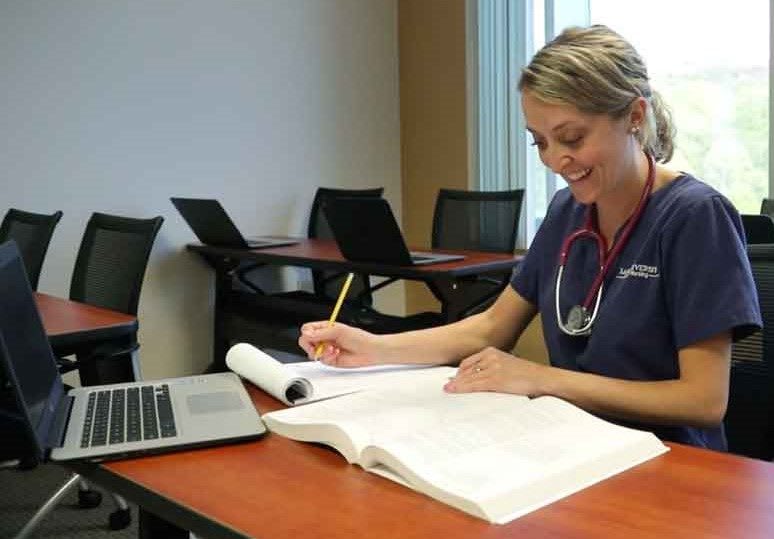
{"x":556,"y":160}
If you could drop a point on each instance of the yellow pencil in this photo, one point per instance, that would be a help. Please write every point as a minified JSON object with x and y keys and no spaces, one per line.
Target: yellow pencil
{"x":336,"y":308}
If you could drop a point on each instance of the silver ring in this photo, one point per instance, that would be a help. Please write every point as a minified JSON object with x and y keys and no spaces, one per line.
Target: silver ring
{"x":478,"y":369}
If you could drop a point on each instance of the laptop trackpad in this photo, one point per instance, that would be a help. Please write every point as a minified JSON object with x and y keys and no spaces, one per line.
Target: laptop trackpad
{"x":218,"y":401}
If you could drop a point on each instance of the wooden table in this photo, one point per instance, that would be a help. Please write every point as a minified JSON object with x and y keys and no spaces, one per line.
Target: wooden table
{"x":71,"y":324}
{"x":444,"y":279}
{"x":78,"y":328}
{"x":276,"y":488}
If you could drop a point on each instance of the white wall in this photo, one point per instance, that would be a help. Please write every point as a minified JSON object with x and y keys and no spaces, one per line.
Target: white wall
{"x":116,"y":105}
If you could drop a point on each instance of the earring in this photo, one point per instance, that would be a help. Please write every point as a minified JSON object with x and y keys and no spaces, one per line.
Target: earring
{"x":635,"y":129}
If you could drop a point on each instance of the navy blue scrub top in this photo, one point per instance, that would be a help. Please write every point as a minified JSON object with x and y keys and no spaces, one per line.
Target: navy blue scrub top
{"x":683,"y":277}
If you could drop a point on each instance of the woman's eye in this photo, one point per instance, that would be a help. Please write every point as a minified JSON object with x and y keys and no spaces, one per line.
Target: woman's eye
{"x":539,"y":143}
{"x":572,"y":141}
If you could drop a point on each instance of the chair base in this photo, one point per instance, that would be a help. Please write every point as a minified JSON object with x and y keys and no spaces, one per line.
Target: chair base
{"x":120,"y":519}
{"x":47,"y":507}
{"x":87,"y":499}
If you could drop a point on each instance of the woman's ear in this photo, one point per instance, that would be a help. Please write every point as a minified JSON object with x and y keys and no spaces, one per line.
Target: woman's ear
{"x":637,"y":112}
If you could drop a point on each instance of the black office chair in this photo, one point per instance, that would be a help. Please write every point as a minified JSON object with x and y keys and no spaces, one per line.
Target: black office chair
{"x":32,"y":233}
{"x":767,"y":207}
{"x":758,"y":228}
{"x":327,"y":284}
{"x":749,"y":420}
{"x":109,"y":272}
{"x":274,"y":320}
{"x":478,"y":221}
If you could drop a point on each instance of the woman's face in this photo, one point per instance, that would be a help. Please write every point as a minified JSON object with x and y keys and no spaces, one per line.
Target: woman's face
{"x":592,"y":152}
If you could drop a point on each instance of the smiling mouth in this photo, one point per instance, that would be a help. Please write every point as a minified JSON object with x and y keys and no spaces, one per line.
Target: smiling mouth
{"x":578,"y":175}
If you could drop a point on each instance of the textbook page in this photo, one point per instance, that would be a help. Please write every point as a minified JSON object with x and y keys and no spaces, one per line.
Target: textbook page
{"x":349,"y":424}
{"x":496,"y":456}
{"x":309,"y":381}
{"x":505,"y":458}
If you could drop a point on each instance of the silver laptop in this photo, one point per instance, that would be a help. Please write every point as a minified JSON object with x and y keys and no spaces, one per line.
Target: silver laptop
{"x":212,"y":225}
{"x":108,"y":421}
{"x":366,"y":231}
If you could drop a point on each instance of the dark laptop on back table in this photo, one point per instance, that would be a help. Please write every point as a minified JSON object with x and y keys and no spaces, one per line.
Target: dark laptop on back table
{"x":106,"y":421}
{"x":366,"y":231}
{"x":212,"y":225}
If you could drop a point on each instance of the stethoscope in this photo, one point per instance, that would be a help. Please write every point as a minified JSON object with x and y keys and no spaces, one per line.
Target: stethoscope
{"x":581,"y":318}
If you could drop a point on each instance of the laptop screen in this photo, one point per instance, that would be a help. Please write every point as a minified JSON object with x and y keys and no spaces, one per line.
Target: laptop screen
{"x":209,"y":221}
{"x":25,"y":352}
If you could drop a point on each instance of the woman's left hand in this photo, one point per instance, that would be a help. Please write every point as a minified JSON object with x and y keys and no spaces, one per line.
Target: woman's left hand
{"x":495,"y":370}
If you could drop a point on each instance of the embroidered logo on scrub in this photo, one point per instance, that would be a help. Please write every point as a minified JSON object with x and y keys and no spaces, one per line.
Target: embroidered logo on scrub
{"x":638,"y":270}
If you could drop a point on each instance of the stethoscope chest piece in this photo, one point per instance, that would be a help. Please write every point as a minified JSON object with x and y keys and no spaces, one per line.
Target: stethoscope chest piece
{"x":579,"y":320}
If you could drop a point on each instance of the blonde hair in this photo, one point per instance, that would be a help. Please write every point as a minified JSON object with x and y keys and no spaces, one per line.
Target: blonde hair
{"x":598,"y":72}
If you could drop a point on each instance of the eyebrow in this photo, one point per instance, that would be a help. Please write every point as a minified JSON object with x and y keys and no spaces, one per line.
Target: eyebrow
{"x":561,"y":126}
{"x":554,"y":129}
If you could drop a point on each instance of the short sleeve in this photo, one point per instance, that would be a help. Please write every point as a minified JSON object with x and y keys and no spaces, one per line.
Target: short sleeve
{"x":709,"y":284}
{"x":525,"y":276}
{"x":542,"y":254}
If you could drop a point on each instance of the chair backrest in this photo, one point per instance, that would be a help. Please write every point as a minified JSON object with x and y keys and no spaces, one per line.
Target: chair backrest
{"x":328,"y":283}
{"x":477,"y":220}
{"x":758,"y":228}
{"x":749,"y":420}
{"x":111,"y":261}
{"x":32,"y":233}
{"x":767,"y":207}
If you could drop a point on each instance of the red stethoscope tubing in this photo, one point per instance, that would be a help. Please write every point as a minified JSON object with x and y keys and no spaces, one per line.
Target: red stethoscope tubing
{"x":590,"y":229}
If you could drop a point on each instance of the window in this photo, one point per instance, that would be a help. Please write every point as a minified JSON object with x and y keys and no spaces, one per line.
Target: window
{"x":713,"y":74}
{"x":508,"y":32}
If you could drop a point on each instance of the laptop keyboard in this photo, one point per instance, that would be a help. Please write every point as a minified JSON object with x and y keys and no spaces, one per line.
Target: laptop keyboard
{"x":133,"y":414}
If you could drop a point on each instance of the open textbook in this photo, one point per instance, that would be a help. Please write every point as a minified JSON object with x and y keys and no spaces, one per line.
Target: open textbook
{"x":493,"y":455}
{"x":309,"y":381}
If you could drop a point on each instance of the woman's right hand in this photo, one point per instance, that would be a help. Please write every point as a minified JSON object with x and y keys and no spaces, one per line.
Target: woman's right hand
{"x":342,"y":345}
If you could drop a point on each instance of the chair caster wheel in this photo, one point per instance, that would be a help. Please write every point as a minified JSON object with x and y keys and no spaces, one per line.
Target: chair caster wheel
{"x":89,"y":499}
{"x":120,"y":519}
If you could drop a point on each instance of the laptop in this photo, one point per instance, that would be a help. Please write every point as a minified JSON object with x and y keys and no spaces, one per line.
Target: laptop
{"x":108,"y":421}
{"x":366,"y":231}
{"x":212,"y":225}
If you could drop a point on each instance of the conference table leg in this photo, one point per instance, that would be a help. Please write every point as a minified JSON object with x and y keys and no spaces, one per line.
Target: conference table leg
{"x":223,"y":288}
{"x":152,"y":527}
{"x":220,"y":341}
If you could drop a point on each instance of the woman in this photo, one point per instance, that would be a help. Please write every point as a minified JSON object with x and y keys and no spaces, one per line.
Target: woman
{"x":645,"y":340}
